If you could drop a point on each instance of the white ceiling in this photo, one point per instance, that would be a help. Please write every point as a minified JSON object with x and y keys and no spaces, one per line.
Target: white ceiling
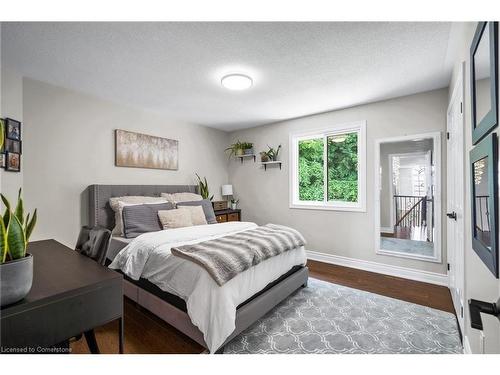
{"x":175,"y":68}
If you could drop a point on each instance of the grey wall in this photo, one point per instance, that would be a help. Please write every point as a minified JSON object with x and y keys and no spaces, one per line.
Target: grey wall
{"x":479,"y":281}
{"x":265,"y":195}
{"x":70,"y":145}
{"x":12,"y":106}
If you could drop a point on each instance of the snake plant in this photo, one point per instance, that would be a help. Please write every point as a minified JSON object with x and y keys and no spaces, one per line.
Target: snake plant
{"x":15,"y":230}
{"x":203,"y":186}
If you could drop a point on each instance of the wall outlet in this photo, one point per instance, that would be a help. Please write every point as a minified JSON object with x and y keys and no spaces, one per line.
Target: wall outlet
{"x":481,"y":342}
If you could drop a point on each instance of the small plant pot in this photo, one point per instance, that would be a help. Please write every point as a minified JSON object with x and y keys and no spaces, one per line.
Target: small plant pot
{"x":234,"y":206}
{"x":239,"y":152}
{"x":16,"y":278}
{"x":264,"y":158}
{"x":248,"y":151}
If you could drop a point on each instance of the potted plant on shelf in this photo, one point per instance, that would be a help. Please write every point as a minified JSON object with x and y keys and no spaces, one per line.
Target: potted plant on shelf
{"x":270,"y":155}
{"x":16,"y":266}
{"x":236,"y":149}
{"x":203,"y":187}
{"x":234,"y":203}
{"x":247,"y":148}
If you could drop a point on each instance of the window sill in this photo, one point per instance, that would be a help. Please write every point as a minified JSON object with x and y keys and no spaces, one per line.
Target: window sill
{"x":327,"y":208}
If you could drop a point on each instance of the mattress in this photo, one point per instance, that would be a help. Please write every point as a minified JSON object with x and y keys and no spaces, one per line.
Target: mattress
{"x":116,"y":244}
{"x":181,"y":304}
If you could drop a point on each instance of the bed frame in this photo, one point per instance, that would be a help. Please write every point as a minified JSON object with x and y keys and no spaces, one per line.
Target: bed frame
{"x":101,"y":214}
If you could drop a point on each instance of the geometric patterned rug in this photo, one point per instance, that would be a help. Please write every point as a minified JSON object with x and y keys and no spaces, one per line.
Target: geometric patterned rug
{"x":329,"y":318}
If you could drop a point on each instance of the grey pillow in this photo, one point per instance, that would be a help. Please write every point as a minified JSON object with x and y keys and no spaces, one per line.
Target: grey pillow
{"x":207,"y":209}
{"x":143,"y":218}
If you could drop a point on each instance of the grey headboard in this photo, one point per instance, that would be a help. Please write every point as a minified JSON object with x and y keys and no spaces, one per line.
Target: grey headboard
{"x":100,"y":212}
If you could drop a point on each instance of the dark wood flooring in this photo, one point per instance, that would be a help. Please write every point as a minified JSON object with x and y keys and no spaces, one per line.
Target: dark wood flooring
{"x":145,"y":333}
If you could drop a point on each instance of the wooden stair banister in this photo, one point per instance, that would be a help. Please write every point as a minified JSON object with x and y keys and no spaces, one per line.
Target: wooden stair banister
{"x":420,"y":201}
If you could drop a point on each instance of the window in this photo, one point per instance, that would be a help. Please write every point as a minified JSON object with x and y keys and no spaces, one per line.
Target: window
{"x":328,"y":168}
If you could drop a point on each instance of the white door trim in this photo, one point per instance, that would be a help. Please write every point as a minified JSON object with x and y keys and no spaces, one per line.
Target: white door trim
{"x":458,"y":94}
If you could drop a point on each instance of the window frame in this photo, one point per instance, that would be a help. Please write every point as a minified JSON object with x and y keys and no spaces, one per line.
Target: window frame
{"x":324,"y":132}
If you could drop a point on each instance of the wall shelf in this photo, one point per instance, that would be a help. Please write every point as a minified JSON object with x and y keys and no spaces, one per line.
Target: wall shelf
{"x":241,"y":157}
{"x":266,"y":163}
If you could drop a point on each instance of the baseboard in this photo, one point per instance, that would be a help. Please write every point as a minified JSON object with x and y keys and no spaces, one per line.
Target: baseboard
{"x":406,"y":273}
{"x":386,"y":230}
{"x":467,"y":349}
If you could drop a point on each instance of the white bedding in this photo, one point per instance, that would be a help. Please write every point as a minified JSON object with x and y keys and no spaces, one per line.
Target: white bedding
{"x":212,"y":308}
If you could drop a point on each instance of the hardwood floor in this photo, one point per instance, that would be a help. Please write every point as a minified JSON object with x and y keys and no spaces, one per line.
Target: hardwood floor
{"x":145,"y":333}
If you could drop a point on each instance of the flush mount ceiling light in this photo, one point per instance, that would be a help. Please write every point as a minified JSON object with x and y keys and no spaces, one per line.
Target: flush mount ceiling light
{"x":236,"y":82}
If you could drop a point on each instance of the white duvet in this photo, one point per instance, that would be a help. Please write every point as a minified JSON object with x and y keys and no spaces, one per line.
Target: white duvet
{"x":212,"y":308}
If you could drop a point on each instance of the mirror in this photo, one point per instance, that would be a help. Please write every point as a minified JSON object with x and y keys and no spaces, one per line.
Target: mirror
{"x":483,"y":167}
{"x":407,"y":183}
{"x":482,"y":207}
{"x":483,"y":77}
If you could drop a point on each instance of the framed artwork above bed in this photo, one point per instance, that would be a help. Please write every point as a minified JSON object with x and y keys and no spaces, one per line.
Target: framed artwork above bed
{"x":145,"y":151}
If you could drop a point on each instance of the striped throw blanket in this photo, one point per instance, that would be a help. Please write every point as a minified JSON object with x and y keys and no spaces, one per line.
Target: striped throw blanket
{"x":226,"y":257}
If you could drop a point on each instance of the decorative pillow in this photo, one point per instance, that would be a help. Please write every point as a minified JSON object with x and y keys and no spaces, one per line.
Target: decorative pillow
{"x":142,"y":218}
{"x":131,"y":199}
{"x":207,"y":209}
{"x":181,"y":197}
{"x":197,"y":214}
{"x":178,"y":218}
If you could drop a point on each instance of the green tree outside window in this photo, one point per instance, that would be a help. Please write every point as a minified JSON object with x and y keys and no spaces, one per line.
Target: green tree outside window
{"x":342,"y":168}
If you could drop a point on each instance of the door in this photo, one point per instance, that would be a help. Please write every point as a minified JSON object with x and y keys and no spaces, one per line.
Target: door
{"x":455,"y":199}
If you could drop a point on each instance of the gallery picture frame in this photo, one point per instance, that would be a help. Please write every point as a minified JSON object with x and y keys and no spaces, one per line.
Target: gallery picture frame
{"x":487,"y":150}
{"x":13,"y":129}
{"x":10,"y":165}
{"x":12,"y":145}
{"x":482,"y":126}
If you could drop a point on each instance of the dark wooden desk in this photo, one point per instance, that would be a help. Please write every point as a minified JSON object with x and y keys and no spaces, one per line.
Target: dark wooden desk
{"x":228,"y":214}
{"x":71,"y":294}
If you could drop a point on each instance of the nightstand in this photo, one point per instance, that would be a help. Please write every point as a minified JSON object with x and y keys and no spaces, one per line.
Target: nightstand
{"x":224,"y":216}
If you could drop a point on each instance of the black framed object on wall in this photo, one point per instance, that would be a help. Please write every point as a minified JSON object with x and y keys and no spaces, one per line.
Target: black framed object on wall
{"x":12,"y":161}
{"x":12,"y":129}
{"x":484,"y":199}
{"x":484,"y":85}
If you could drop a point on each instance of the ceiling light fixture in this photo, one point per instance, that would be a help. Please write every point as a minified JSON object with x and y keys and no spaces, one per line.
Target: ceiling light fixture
{"x":236,"y":82}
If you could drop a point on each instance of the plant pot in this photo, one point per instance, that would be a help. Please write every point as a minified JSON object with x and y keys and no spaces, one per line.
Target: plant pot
{"x":234,"y":206}
{"x":264,"y":158}
{"x":239,"y":152}
{"x":248,"y":151}
{"x":16,"y":278}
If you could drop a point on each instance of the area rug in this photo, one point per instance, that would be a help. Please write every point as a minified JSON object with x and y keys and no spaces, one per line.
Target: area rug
{"x":329,"y":318}
{"x":401,"y":245}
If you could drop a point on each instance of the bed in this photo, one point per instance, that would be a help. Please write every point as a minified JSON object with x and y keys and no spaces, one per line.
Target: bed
{"x":261,"y":288}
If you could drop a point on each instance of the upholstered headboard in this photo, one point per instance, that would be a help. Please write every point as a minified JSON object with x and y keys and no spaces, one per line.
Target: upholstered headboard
{"x":100,"y":212}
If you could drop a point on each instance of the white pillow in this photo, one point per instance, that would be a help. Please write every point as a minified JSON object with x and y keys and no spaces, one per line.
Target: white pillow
{"x":197,"y":214}
{"x":177,"y":218}
{"x":130,"y":200}
{"x":181,"y":197}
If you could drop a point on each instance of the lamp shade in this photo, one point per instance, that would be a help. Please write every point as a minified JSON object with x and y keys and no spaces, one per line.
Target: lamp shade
{"x":227,"y":189}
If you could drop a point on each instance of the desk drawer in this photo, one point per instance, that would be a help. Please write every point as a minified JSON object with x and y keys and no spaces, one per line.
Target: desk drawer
{"x":221,"y":218}
{"x":63,"y":317}
{"x":233,"y":217}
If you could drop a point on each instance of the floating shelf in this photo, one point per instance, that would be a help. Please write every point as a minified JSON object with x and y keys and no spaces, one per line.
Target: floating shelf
{"x":266,"y":163}
{"x":241,"y":157}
